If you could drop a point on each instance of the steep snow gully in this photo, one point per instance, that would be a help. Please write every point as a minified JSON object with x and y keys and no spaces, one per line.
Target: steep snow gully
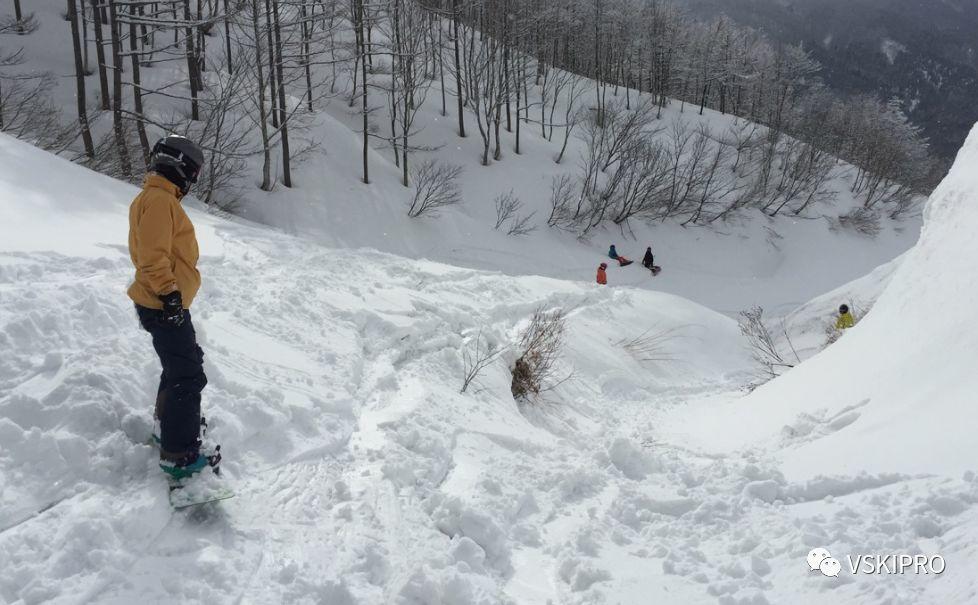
{"x":364,"y":476}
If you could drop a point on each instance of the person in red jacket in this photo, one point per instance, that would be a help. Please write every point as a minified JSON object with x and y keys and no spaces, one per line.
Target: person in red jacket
{"x":602,"y":276}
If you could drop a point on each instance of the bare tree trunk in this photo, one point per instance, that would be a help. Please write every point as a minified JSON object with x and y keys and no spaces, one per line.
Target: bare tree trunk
{"x":518,"y":98}
{"x":201,"y":47}
{"x":80,"y":82}
{"x":506,"y":78}
{"x":271,"y":62}
{"x":368,"y":48}
{"x":227,"y":35}
{"x":120,"y":132}
{"x":441,"y":68}
{"x":458,"y":71}
{"x":192,"y":64}
{"x":19,"y":15}
{"x":283,"y":110}
{"x":266,"y":182}
{"x":137,"y":91}
{"x":306,"y":37}
{"x":498,"y":153}
{"x":84,"y":44}
{"x":361,"y":52}
{"x":399,"y":71}
{"x":103,"y":78}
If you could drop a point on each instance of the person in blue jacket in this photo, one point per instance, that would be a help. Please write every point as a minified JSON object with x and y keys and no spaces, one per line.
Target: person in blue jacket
{"x":613,"y":254}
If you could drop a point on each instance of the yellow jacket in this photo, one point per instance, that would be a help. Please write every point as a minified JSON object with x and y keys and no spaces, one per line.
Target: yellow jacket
{"x":845,"y":321}
{"x":162,"y":244}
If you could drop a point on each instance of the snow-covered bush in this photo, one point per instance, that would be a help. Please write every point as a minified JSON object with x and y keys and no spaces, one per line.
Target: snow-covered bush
{"x":540,"y":344}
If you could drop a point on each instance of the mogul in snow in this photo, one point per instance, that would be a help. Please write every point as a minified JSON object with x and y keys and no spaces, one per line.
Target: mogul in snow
{"x":164,"y":251}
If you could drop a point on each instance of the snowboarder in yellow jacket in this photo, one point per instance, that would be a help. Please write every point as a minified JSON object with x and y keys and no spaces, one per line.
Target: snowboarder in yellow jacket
{"x":845,"y":320}
{"x":164,"y":252}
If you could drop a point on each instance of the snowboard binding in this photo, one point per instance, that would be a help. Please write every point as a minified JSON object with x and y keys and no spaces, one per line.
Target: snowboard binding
{"x":195,"y":463}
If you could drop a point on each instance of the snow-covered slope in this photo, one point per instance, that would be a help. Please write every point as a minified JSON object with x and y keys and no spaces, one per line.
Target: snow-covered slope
{"x":906,"y":371}
{"x":886,"y":416}
{"x":365,"y":477}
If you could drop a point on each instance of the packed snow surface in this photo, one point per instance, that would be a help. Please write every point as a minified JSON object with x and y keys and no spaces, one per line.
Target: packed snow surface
{"x":364,"y":476}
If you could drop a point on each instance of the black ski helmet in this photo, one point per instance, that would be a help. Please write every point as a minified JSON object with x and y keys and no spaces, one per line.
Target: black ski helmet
{"x":844,"y":309}
{"x":178,"y":159}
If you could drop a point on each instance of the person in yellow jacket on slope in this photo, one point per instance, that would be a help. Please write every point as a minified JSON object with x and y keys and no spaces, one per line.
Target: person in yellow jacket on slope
{"x":164,"y":252}
{"x":845,"y":320}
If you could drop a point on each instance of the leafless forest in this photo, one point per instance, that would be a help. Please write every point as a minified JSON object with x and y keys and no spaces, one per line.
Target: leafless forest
{"x":243,"y":77}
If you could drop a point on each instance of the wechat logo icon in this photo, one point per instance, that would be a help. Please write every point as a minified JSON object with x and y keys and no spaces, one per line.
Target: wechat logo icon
{"x":821,"y":560}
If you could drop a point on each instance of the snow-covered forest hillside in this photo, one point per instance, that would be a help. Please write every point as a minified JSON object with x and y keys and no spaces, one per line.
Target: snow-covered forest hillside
{"x":744,"y":208}
{"x":920,"y":53}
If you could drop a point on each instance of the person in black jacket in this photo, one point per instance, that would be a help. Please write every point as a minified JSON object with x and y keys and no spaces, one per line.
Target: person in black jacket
{"x":648,"y":262}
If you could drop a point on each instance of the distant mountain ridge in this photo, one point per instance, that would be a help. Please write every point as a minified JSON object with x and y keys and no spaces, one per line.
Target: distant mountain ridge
{"x":922,"y":52}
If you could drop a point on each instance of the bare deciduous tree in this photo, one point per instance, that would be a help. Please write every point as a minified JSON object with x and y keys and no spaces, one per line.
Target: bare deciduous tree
{"x":435,"y":188}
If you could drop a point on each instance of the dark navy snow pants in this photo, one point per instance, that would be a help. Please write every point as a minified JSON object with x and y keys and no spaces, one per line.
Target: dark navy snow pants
{"x":182,"y":380}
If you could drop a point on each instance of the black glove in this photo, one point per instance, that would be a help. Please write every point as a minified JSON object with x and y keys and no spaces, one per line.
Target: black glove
{"x":173,"y":308}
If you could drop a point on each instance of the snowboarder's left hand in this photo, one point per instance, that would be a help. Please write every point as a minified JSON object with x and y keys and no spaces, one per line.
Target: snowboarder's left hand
{"x":173,"y":308}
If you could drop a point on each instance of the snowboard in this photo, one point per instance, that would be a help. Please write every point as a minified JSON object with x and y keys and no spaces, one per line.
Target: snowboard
{"x":627,"y":262}
{"x":656,"y":269}
{"x":190,"y":494}
{"x":202,"y":488}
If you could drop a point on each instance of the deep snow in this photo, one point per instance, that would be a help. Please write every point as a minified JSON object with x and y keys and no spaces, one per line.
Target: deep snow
{"x":363,"y":476}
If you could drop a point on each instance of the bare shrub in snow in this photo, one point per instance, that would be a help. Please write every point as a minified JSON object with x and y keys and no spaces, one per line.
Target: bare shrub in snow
{"x":27,"y":24}
{"x":476,"y":357}
{"x":507,"y":210}
{"x":435,"y":187}
{"x":562,"y":202}
{"x":905,"y":206}
{"x":541,"y":344}
{"x":650,"y":345}
{"x":862,"y":220}
{"x":26,"y":109}
{"x":507,"y":205}
{"x":766,"y":351}
{"x":521,"y":225}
